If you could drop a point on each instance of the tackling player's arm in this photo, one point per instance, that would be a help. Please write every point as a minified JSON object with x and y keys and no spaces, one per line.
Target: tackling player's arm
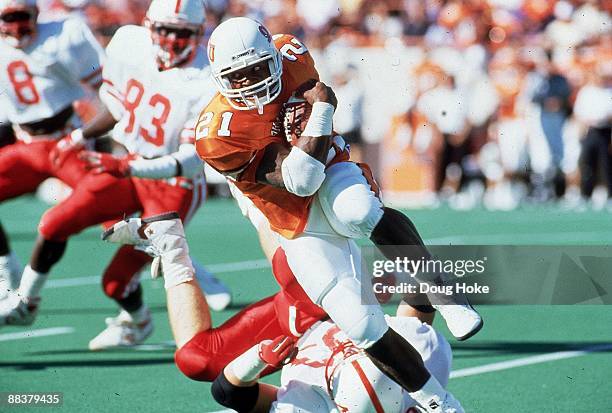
{"x":237,"y":387}
{"x":301,"y":170}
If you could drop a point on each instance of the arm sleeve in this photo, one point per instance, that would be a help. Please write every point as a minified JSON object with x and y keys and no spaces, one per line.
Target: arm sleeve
{"x":184,"y":162}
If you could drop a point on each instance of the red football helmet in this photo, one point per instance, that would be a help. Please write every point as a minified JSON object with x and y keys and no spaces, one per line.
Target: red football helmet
{"x":176,"y":29}
{"x":18,"y":21}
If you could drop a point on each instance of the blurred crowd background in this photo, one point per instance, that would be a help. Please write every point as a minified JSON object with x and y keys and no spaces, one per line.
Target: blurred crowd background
{"x":477,"y":102}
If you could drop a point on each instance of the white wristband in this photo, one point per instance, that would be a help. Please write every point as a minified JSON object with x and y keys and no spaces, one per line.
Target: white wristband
{"x":248,"y":366}
{"x":320,"y":122}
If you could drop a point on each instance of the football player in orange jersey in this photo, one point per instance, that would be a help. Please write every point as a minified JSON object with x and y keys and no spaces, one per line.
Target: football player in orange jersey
{"x":313,"y":198}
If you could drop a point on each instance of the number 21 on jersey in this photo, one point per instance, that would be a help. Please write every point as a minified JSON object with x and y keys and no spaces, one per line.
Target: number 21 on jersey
{"x":203,"y":127}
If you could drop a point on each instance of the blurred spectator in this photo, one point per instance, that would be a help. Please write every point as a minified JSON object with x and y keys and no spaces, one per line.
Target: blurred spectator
{"x":553,"y":100}
{"x":348,"y":116}
{"x":460,"y":91}
{"x":593,"y":109}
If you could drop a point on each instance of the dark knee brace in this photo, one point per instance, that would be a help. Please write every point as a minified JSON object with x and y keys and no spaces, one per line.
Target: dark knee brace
{"x":395,"y":228}
{"x":241,"y":399}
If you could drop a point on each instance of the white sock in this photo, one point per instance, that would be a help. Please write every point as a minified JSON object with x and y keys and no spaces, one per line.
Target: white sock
{"x":31,"y":284}
{"x":10,"y":266}
{"x":141,"y":314}
{"x":431,"y":395}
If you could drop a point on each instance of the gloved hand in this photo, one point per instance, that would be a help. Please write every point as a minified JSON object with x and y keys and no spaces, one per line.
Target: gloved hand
{"x":70,"y":143}
{"x":278,"y":352}
{"x":99,"y":162}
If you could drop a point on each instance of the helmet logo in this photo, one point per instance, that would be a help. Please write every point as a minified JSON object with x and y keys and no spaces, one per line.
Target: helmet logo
{"x":211,"y":52}
{"x":265,"y":32}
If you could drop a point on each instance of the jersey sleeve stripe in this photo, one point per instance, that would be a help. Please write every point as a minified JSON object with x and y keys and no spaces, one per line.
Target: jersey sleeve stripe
{"x":113,"y":94}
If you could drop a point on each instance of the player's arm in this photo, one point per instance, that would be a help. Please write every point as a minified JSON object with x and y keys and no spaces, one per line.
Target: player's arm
{"x":103,"y":122}
{"x":184,"y":162}
{"x":237,"y":387}
{"x":301,"y":170}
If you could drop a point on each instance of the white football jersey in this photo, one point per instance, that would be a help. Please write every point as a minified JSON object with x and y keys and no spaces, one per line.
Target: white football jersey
{"x":304,"y":383}
{"x":40,"y":80}
{"x":157,"y":110}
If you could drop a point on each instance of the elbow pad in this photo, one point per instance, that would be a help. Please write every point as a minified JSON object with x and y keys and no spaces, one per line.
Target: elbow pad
{"x":302,"y":174}
{"x":189,"y":162}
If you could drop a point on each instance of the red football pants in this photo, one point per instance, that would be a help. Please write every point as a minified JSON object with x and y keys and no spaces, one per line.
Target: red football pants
{"x":24,"y":166}
{"x":207,"y":353}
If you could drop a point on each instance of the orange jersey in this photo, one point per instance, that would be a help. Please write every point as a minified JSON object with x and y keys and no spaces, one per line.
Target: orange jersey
{"x":232,"y":141}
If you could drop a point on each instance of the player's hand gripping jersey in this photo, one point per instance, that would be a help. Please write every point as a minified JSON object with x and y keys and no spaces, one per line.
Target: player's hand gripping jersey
{"x":232,"y":140}
{"x":45,"y":77}
{"x":157,"y":110}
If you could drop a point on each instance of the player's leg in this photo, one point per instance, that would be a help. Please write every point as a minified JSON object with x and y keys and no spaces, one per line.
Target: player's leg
{"x":329,"y":270}
{"x":22,"y":168}
{"x":349,"y":197}
{"x":202,"y":351}
{"x":10,"y":269}
{"x":121,"y":283}
{"x":97,"y":199}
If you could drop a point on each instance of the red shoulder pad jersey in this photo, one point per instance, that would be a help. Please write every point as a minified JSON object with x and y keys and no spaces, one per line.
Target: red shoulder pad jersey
{"x":232,"y":141}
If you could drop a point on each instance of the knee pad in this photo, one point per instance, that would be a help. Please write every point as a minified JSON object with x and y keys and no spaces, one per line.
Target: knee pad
{"x":360,"y":217}
{"x":364,"y":324}
{"x":349,"y":201}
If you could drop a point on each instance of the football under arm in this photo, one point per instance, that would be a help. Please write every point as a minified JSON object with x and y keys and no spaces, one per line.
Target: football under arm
{"x":301,"y":170}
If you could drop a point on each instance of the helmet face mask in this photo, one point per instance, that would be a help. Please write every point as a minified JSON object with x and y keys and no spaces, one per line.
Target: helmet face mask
{"x":175,"y":44}
{"x":176,"y":29}
{"x":241,"y":46}
{"x":18,"y":22}
{"x":259,"y":92}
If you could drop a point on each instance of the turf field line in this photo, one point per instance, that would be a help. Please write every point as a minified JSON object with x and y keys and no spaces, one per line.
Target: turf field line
{"x":526,"y":238}
{"x":527,"y":361}
{"x":214,"y":268}
{"x":55,"y":331}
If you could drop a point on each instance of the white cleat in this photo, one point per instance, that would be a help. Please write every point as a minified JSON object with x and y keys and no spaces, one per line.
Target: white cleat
{"x":15,"y":311}
{"x":448,"y":405}
{"x":10,"y":274}
{"x":462,"y":320}
{"x":122,"y":331}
